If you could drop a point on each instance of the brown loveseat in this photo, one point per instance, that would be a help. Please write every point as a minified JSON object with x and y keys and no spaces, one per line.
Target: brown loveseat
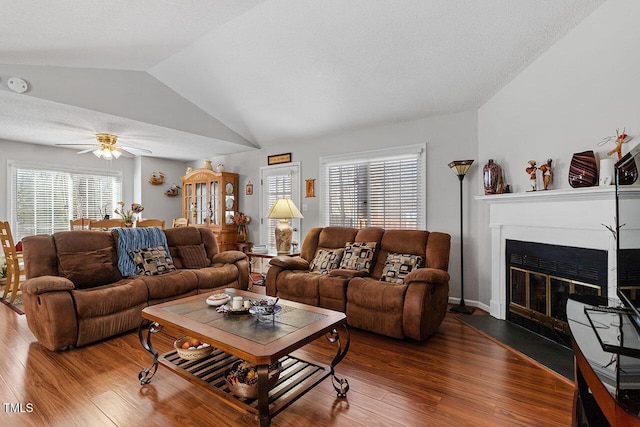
{"x":412,"y":306}
{"x":75,"y":294}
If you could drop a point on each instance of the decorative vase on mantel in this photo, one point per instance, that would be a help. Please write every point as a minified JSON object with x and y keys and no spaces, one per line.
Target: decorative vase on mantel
{"x":491,"y":174}
{"x":242,"y":233}
{"x":583,"y":170}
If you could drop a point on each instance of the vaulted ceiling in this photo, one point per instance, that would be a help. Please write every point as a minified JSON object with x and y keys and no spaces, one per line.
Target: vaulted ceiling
{"x":192,"y":79}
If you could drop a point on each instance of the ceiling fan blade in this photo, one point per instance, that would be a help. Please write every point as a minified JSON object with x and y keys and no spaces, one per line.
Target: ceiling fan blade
{"x":142,"y":150}
{"x":88,"y":144}
{"x":125,"y":153}
{"x":89,"y":150}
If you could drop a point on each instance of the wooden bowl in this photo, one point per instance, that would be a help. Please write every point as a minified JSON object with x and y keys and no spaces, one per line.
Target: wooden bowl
{"x":250,"y":390}
{"x":191,"y":353}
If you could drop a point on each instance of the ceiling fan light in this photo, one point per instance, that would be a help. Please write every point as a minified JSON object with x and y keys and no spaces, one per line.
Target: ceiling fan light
{"x":107,"y":154}
{"x":97,"y":153}
{"x":116,"y":154}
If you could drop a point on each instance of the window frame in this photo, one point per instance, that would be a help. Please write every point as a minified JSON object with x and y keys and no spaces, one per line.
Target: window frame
{"x":13,"y":166}
{"x":417,"y":151}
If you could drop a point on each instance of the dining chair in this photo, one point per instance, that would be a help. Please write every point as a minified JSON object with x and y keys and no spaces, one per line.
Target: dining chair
{"x":79,"y":224}
{"x":180,"y":222}
{"x":105,"y":224}
{"x":150,"y":223}
{"x":15,"y":266}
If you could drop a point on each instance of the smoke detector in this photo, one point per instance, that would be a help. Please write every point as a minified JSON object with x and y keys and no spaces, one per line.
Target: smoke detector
{"x":17,"y":85}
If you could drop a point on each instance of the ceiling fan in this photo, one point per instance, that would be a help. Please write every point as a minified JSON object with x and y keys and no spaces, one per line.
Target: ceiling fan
{"x":107,"y":148}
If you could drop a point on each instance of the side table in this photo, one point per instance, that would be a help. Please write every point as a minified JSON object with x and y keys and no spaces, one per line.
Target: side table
{"x":243,"y":247}
{"x":258,"y":278}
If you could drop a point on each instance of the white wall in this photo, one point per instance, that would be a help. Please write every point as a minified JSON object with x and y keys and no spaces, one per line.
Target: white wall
{"x":156,"y":204}
{"x":447,"y":138}
{"x":575,"y":94}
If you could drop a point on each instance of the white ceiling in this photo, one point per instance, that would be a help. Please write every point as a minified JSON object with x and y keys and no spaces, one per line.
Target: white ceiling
{"x":223,"y":76}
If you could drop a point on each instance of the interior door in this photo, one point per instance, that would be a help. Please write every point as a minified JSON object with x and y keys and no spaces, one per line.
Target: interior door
{"x":280,"y":181}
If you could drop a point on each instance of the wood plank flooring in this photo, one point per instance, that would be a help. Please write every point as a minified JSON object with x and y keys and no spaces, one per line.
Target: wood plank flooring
{"x":456,"y":378}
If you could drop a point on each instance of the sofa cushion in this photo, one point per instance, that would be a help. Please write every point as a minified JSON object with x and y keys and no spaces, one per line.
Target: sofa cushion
{"x":375,"y":306}
{"x":87,"y":269}
{"x":152,"y":261}
{"x":398,"y":266}
{"x":224,"y":275}
{"x":173,"y":285}
{"x":358,"y":256}
{"x":193,"y":256}
{"x":326,"y":260}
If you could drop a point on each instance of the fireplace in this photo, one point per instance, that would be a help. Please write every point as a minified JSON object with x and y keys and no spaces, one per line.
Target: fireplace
{"x":540,"y":277}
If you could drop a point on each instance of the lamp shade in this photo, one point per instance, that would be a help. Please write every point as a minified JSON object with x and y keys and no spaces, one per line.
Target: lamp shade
{"x":284,"y":209}
{"x":460,"y":167}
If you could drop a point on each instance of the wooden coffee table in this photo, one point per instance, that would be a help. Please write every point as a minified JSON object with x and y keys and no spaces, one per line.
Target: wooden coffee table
{"x":243,"y":336}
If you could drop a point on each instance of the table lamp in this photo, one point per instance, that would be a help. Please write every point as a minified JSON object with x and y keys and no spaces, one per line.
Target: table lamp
{"x":284,"y":209}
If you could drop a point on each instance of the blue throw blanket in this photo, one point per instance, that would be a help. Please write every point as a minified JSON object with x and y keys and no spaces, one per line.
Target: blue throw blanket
{"x":133,"y":239}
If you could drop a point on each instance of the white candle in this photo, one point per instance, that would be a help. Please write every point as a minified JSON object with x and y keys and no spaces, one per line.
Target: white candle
{"x":247,"y":304}
{"x":237,"y":303}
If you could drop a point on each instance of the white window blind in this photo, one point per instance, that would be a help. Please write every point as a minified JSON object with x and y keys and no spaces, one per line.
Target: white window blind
{"x":382,"y":188}
{"x":44,"y":199}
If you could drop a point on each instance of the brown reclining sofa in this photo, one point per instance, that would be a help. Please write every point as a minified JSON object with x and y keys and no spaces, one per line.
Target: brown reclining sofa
{"x":402,"y":305}
{"x":75,"y":294}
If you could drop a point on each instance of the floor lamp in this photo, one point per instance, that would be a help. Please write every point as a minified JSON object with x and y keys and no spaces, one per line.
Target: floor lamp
{"x":460,"y":167}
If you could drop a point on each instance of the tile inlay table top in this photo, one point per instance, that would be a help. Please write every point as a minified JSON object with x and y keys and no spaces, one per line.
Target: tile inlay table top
{"x":261,"y":341}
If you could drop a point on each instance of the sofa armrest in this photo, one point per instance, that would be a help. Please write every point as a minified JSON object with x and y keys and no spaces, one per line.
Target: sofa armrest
{"x":427,"y":275}
{"x":290,"y":263}
{"x":43,"y":284}
{"x":349,"y":274}
{"x":228,"y":257}
{"x":425,"y":302}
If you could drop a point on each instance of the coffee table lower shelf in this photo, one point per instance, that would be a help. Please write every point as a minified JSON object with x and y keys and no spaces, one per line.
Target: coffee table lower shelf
{"x":297,"y":377}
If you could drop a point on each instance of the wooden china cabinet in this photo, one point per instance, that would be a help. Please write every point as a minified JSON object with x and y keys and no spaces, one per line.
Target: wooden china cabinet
{"x":210,"y":199}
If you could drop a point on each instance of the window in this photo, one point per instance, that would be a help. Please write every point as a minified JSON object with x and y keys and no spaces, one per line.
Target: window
{"x":279,"y":182}
{"x":382,"y":188}
{"x":44,"y":199}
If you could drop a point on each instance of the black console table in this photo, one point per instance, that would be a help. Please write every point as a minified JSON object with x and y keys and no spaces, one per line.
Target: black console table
{"x":606,"y":346}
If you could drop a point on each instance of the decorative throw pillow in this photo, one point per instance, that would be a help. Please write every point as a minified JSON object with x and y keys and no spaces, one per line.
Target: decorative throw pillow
{"x":193,"y":256}
{"x":358,"y":256}
{"x":398,"y":266}
{"x":326,"y":260}
{"x":89,"y":268}
{"x":152,"y":261}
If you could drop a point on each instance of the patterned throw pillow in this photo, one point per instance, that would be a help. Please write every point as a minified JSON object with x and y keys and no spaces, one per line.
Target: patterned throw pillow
{"x":398,"y":266}
{"x":152,"y":261}
{"x":326,"y":260}
{"x":358,"y":256}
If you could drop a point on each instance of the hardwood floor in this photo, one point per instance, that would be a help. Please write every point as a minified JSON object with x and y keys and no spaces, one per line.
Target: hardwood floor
{"x":456,"y":378}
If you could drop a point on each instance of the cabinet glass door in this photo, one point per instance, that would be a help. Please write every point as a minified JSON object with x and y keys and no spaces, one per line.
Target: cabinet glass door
{"x":229,"y":202}
{"x":215,"y":203}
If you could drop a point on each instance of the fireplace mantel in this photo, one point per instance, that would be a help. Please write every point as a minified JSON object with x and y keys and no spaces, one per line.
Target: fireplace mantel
{"x":578,"y":217}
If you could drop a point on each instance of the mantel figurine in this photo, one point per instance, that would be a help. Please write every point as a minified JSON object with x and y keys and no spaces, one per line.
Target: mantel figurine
{"x":531,"y":170}
{"x":545,"y":168}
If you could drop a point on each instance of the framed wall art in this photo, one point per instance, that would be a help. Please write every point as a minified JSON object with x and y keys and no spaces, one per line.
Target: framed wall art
{"x":279,"y":158}
{"x":310,"y":187}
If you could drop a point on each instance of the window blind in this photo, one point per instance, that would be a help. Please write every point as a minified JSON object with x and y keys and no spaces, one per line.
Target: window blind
{"x":44,"y":199}
{"x":384,"y":188}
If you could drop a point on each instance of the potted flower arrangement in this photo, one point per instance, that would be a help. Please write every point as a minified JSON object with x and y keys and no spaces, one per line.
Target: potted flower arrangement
{"x":3,"y":269}
{"x":241,"y":220}
{"x":129,"y":215}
